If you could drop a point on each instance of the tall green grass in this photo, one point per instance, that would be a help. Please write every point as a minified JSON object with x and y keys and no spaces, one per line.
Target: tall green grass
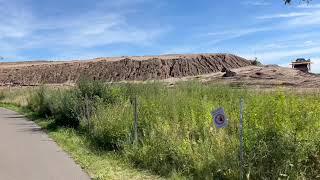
{"x":176,"y":137}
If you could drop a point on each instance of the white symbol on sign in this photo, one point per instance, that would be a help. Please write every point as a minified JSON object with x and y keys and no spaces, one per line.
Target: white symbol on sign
{"x":219,"y":118}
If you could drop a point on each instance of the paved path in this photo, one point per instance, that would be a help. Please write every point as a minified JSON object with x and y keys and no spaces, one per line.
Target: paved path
{"x":27,"y":153}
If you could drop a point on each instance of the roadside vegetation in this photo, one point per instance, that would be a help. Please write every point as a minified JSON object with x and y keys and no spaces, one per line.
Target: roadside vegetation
{"x":176,"y":137}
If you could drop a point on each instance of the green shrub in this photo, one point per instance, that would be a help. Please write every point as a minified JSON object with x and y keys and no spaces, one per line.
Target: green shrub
{"x":256,"y":63}
{"x":40,"y":102}
{"x":67,"y":110}
{"x":95,"y":90}
{"x":112,"y":126}
{"x":70,"y":106}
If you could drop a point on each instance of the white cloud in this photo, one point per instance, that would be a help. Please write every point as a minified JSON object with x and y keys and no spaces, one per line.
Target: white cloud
{"x":22,"y":28}
{"x":231,"y":34}
{"x":15,"y":20}
{"x":256,"y":3}
{"x":100,"y":29}
{"x":309,"y":43}
{"x":292,"y":21}
{"x":290,"y":53}
{"x":122,"y":3}
{"x":300,"y":18}
{"x":308,"y":6}
{"x":315,"y":67}
{"x":285,"y":15}
{"x":286,"y":44}
{"x":308,"y":20}
{"x":304,"y":16}
{"x":238,"y":32}
{"x":180,"y":50}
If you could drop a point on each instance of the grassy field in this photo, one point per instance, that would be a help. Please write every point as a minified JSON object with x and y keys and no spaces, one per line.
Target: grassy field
{"x":176,"y":138}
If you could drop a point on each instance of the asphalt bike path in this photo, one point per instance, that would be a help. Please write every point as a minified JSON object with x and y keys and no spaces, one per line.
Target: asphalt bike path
{"x":27,"y":153}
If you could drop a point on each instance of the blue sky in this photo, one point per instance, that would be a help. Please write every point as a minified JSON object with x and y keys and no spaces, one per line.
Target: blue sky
{"x":81,"y":29}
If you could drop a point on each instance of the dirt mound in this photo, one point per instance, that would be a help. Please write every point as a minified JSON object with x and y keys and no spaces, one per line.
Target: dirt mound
{"x":118,"y":69}
{"x":264,"y":77}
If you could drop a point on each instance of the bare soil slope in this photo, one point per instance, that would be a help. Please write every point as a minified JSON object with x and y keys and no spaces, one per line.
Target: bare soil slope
{"x":118,"y":69}
{"x":262,"y":77}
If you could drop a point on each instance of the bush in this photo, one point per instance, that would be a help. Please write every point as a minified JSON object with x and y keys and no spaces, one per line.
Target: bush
{"x":112,"y":126}
{"x":40,"y":102}
{"x":70,"y":106}
{"x":94,"y":90}
{"x":67,"y":110}
{"x":256,"y":63}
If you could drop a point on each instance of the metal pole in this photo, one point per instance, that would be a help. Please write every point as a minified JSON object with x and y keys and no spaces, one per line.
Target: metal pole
{"x":135,"y":104}
{"x":241,"y":140}
{"x":87,"y":113}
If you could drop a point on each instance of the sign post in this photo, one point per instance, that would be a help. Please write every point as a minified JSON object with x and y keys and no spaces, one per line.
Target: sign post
{"x":241,"y":140}
{"x":135,"y":104}
{"x":221,"y":121}
{"x":219,"y":118}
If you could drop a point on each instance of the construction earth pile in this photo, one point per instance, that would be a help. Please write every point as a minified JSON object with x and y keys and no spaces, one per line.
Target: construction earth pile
{"x":118,"y":69}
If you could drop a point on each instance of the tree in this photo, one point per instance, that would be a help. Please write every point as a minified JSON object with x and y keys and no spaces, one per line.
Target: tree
{"x":289,"y":1}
